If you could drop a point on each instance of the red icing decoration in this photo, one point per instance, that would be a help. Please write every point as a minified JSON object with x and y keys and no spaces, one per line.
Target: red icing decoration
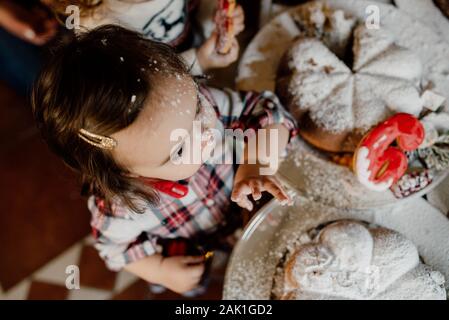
{"x":408,"y":132}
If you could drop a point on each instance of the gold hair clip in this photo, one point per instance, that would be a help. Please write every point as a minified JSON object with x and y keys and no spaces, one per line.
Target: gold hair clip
{"x":96,"y":140}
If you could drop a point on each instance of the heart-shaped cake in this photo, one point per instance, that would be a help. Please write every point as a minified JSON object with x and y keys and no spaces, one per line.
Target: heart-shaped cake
{"x":349,"y":260}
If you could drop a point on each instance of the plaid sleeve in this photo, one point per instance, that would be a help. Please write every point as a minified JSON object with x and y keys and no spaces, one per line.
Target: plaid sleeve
{"x":251,"y":109}
{"x":263,"y":109}
{"x":118,"y":238}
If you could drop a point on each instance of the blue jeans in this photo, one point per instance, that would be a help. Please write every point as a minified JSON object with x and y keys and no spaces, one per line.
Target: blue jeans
{"x":20,"y":62}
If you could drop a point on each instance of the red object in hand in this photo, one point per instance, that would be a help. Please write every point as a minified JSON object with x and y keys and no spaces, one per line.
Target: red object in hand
{"x":224,"y":25}
{"x":377,"y":164}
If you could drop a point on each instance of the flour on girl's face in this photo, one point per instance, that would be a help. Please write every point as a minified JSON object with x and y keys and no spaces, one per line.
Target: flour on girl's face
{"x":144,"y":147}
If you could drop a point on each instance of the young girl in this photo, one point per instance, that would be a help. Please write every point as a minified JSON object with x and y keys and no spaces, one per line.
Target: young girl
{"x":181,"y":23}
{"x":108,"y":103}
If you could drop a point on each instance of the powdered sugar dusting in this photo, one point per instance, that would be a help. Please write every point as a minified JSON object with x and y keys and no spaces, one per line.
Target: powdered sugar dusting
{"x":313,"y":174}
{"x":391,"y":271}
{"x":309,"y":171}
{"x":259,"y":63}
{"x":354,"y":261}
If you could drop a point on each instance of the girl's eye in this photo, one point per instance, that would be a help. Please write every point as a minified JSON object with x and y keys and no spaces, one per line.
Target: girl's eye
{"x":180,"y":151}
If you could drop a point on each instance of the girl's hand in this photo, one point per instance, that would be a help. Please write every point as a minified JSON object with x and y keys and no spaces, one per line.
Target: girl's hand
{"x":207,"y":55}
{"x":254,"y":185}
{"x":209,"y":58}
{"x":181,"y":273}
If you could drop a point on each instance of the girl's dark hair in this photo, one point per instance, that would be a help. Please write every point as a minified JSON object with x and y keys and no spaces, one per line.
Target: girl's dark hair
{"x":99,"y":82}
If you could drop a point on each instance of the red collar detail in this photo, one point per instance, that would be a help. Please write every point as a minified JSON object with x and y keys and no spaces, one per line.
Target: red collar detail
{"x":172,"y":188}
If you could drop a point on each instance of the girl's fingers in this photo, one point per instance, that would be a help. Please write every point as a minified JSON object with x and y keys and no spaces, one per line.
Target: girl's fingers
{"x":238,"y":27}
{"x":276,"y":190}
{"x":239,"y":196}
{"x":256,"y":189}
{"x":245,"y":203}
{"x":238,"y":13}
{"x":234,"y":52}
{"x":276,"y":183}
{"x":232,"y":55}
{"x":236,"y":192}
{"x":240,"y":189}
{"x":209,"y":45}
{"x":238,"y":20}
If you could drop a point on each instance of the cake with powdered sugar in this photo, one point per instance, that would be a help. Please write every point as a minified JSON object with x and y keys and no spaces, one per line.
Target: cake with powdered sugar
{"x":352,"y":260}
{"x":337,"y":95}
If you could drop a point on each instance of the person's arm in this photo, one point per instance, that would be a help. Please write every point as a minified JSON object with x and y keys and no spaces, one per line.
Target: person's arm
{"x":272,"y":127}
{"x":123,"y":244}
{"x":255,"y":175}
{"x":33,"y":25}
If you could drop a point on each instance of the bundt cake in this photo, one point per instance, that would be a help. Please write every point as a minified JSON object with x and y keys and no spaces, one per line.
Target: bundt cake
{"x":338,"y":95}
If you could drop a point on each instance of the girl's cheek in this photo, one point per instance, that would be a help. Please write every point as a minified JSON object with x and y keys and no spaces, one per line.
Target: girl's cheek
{"x":177,"y":172}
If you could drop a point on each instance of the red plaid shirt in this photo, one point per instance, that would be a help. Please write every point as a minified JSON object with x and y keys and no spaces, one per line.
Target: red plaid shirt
{"x":123,"y":236}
